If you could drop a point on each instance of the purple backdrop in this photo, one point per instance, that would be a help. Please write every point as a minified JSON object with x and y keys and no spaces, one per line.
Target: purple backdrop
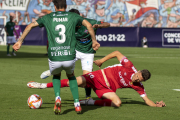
{"x":118,"y":36}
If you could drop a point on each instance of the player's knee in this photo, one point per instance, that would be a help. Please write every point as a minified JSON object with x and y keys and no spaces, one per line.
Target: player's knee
{"x":116,"y":103}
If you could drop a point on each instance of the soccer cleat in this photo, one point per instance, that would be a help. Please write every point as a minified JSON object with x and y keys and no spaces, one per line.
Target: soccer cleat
{"x":9,"y":55}
{"x":14,"y":53}
{"x":45,"y":74}
{"x":89,"y":98}
{"x":57,"y":107}
{"x":33,"y":84}
{"x":78,"y":109}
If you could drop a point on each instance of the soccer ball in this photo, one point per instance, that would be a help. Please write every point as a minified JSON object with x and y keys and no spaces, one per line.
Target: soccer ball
{"x":34,"y":101}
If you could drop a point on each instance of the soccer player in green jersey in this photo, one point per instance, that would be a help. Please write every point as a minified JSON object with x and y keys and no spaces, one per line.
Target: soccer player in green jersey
{"x":84,"y":50}
{"x":60,"y":26}
{"x":9,"y":28}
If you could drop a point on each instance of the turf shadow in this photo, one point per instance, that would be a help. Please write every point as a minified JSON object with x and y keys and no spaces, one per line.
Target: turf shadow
{"x":84,"y":109}
{"x":133,"y":102}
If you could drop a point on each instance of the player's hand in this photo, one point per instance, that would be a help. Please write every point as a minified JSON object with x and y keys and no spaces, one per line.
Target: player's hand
{"x":95,"y":26}
{"x":17,"y":46}
{"x":98,"y":63}
{"x":160,"y":104}
{"x":95,"y":45}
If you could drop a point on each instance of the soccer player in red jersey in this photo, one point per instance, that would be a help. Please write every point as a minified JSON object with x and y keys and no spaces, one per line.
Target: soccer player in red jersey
{"x":106,"y":81}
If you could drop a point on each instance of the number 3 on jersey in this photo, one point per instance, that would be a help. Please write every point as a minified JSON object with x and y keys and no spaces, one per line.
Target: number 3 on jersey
{"x":61,"y":33}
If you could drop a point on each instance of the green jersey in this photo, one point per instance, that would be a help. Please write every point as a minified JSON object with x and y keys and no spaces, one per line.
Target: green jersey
{"x":84,"y":43}
{"x":60,"y":27}
{"x":10,"y":28}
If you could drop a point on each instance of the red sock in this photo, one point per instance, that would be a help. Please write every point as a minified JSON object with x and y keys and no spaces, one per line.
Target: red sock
{"x":64,"y":83}
{"x":104,"y":102}
{"x":49,"y":84}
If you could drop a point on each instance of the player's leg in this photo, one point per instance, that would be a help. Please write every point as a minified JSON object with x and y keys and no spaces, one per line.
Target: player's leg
{"x":107,"y":96}
{"x":87,"y":90}
{"x":87,"y":66}
{"x":13,"y":42}
{"x":56,"y":87}
{"x":81,"y":81}
{"x":108,"y":99}
{"x":114,"y":99}
{"x":69,"y":68}
{"x":8,"y":45}
{"x":55,"y":69}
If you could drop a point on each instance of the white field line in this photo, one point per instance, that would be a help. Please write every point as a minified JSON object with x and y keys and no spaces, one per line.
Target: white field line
{"x":160,"y":57}
{"x":176,"y":89}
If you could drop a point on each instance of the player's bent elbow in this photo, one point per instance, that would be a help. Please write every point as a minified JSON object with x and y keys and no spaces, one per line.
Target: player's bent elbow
{"x":117,"y":52}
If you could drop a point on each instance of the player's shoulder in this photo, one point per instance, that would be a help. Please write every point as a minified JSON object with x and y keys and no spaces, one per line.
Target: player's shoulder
{"x":137,"y":85}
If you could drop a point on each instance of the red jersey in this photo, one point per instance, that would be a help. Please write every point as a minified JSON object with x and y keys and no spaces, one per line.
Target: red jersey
{"x":120,"y":76}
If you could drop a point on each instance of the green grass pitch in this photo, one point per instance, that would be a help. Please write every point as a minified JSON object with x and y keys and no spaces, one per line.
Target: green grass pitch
{"x":30,"y":62}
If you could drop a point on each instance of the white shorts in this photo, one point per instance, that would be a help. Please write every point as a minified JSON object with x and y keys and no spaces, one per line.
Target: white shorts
{"x":11,"y":40}
{"x":86,"y":60}
{"x":56,"y":67}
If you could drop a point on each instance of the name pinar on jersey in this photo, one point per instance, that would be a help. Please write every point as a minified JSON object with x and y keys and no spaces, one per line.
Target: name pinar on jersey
{"x":64,"y":19}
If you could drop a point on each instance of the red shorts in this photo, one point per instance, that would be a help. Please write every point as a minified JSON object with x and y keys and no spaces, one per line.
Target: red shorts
{"x":96,"y":81}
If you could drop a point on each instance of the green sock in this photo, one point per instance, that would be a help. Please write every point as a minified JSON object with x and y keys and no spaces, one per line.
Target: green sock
{"x":88,"y":92}
{"x":12,"y":50}
{"x":56,"y":85}
{"x":74,"y":88}
{"x":8,"y":49}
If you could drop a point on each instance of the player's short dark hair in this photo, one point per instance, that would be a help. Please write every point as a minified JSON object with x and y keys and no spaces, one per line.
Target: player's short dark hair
{"x":60,"y":4}
{"x":74,"y":11}
{"x":145,"y":74}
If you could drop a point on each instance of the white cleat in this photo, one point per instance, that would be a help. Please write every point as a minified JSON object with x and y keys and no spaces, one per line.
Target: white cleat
{"x":45,"y":74}
{"x":33,"y":84}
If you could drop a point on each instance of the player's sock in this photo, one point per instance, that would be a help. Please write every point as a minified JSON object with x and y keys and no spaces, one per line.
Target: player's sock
{"x":88,"y":92}
{"x":63,"y":83}
{"x":8,"y":49}
{"x":49,"y":84}
{"x":104,"y":102}
{"x":12,"y":50}
{"x":74,"y":88}
{"x":56,"y":85}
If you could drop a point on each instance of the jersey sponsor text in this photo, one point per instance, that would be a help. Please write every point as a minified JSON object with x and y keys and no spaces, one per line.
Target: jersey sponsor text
{"x":61,"y":53}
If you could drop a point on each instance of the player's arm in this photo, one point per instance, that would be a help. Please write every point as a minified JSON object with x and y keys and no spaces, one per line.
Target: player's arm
{"x":18,"y":44}
{"x":116,"y":54}
{"x":102,"y":25}
{"x":95,"y":44}
{"x":152,"y":104}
